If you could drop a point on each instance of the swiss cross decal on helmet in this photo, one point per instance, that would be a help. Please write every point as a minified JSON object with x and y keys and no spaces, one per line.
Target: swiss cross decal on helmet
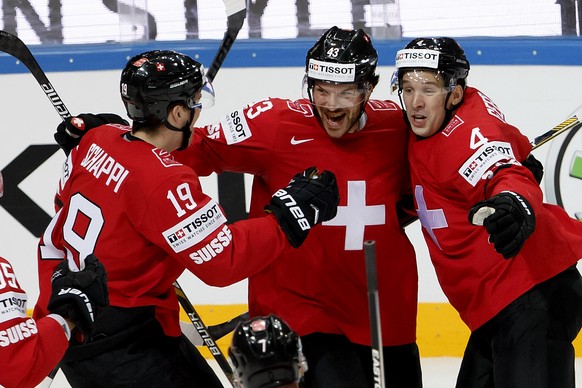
{"x":153,"y":80}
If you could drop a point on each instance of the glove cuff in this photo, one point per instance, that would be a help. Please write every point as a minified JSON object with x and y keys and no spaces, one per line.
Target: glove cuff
{"x":64,"y":324}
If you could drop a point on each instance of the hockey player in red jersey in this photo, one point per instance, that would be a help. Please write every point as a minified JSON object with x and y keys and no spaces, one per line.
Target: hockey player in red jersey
{"x":30,"y":349}
{"x":320,"y":289}
{"x":505,"y":259}
{"x":125,"y":198}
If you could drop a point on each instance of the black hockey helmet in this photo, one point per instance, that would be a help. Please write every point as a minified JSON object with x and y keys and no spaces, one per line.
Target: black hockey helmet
{"x":266,"y":353}
{"x":443,"y":55}
{"x":153,"y":80}
{"x":342,"y":56}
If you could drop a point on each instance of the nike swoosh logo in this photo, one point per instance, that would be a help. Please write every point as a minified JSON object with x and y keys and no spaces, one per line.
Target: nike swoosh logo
{"x":299,"y":141}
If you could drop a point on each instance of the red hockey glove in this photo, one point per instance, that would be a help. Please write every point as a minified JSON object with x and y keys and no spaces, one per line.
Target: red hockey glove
{"x":70,"y":131}
{"x":77,"y":295}
{"x":309,"y":199}
{"x":509,"y":220}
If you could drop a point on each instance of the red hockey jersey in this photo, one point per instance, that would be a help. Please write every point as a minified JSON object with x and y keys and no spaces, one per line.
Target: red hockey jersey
{"x":453,"y":170}
{"x":29,"y":349}
{"x":145,"y":217}
{"x":321,"y":287}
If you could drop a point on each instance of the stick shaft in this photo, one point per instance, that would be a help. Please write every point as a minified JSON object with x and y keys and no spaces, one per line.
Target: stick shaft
{"x":12,"y":45}
{"x":374,"y":307}
{"x":236,"y":12}
{"x":203,"y":331}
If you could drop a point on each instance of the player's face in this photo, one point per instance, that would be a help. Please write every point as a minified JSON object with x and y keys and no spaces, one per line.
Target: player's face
{"x":338,"y":106}
{"x":424,"y":97}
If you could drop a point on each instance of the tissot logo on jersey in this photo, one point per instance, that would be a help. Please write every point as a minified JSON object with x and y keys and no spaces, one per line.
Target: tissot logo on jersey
{"x":195,"y":228}
{"x":336,"y":72}
{"x":12,"y":305}
{"x":235,"y":127}
{"x":485,"y":158}
{"x":18,"y":332}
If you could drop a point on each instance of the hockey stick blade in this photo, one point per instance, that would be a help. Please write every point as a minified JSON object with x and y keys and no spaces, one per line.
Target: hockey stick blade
{"x":374,"y":307}
{"x":209,"y":342}
{"x":11,"y":44}
{"x":572,"y":122}
{"x":236,"y":12}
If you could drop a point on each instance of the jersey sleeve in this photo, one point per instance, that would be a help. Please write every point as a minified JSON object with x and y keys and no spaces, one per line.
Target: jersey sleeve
{"x":192,"y":228}
{"x":489,"y":152}
{"x":29,"y":348}
{"x":508,"y":148}
{"x":240,"y":142}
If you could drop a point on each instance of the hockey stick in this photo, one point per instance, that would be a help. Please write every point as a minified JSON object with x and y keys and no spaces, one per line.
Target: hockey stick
{"x":236,"y":11}
{"x":215,"y":331}
{"x":203,"y":331}
{"x":573,"y":122}
{"x":46,"y":383}
{"x":12,"y":45}
{"x":374,"y":307}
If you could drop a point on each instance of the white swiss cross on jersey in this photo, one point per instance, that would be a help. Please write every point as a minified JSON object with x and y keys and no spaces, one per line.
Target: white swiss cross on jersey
{"x":430,"y":219}
{"x":356,"y":215}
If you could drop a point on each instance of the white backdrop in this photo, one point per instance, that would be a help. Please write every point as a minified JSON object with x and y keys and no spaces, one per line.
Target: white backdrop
{"x":534,"y":98}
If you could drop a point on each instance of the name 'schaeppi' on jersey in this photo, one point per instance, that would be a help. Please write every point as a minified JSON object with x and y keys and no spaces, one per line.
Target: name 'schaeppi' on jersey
{"x":99,"y":163}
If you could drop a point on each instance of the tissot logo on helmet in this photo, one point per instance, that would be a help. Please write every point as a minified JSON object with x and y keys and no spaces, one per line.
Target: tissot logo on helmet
{"x":335,"y":72}
{"x":342,"y":56}
{"x":417,"y":58}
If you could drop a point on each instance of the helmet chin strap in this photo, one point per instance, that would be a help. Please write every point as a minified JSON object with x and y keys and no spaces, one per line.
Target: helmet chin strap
{"x":449,"y":112}
{"x":186,"y":131}
{"x":362,"y":118}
